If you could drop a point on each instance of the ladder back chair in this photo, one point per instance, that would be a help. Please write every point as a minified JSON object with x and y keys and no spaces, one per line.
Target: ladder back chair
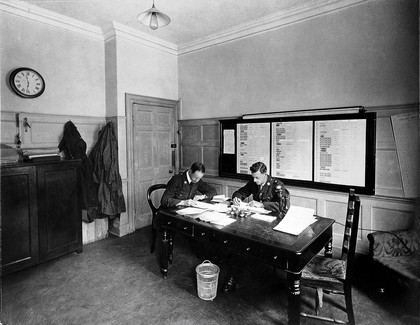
{"x":331,"y":275}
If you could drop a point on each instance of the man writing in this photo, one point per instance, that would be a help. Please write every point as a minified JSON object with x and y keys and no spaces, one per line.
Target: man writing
{"x":187,"y":187}
{"x":268,"y":193}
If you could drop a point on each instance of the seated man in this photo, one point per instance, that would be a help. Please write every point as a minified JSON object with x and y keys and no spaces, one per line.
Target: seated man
{"x":187,"y":187}
{"x":268,"y":193}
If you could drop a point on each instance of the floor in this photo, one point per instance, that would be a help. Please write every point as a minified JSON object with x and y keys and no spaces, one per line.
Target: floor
{"x":118,"y":281}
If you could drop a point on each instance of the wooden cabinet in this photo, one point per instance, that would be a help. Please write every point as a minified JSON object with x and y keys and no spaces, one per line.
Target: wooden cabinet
{"x":40,"y":211}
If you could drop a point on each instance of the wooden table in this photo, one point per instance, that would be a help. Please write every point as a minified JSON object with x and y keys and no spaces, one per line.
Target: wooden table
{"x":249,"y":236}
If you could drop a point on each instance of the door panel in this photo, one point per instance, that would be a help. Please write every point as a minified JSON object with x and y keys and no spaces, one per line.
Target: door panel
{"x":153,"y":133}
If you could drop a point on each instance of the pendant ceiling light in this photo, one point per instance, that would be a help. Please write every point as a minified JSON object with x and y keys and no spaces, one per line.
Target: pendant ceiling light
{"x":153,"y":18}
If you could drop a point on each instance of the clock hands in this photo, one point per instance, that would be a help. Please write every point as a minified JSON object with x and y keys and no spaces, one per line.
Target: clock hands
{"x":27,"y":84}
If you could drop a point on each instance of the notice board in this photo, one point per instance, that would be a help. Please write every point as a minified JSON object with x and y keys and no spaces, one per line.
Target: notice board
{"x":333,"y":152}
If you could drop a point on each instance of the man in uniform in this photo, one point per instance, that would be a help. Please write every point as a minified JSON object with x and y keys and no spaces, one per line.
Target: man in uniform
{"x":187,"y":187}
{"x":268,"y":193}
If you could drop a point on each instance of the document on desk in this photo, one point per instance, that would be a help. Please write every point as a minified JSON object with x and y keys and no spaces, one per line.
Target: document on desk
{"x":246,"y":206}
{"x":190,"y":210}
{"x":213,"y":207}
{"x":219,"y":198}
{"x":263,"y":217}
{"x":296,"y":220}
{"x":216,"y":218}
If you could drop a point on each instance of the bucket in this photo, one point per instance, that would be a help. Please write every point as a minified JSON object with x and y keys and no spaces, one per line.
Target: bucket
{"x":207,"y":278}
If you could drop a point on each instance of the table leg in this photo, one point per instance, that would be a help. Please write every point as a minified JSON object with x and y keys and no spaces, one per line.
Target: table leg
{"x":328,"y":249}
{"x":164,"y":254}
{"x":171,"y":247}
{"x":293,"y":308}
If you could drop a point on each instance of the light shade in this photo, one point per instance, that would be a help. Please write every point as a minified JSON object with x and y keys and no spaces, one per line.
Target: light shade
{"x":153,"y":18}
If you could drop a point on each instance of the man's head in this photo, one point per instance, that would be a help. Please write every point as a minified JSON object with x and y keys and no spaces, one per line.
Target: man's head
{"x":196,"y":172}
{"x":259,"y":172}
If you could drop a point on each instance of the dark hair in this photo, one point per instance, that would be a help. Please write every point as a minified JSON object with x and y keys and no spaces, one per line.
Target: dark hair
{"x":258,"y":166}
{"x":198,"y":166}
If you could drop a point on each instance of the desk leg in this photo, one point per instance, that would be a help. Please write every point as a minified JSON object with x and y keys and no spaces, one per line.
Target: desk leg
{"x":328,"y":249}
{"x":164,"y":254}
{"x":293,"y":308}
{"x":171,"y":247}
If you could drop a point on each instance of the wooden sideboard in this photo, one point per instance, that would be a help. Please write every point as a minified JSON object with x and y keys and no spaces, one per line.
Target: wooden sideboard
{"x":40,"y":212}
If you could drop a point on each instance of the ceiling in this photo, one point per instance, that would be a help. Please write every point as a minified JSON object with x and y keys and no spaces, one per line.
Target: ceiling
{"x":191,"y":20}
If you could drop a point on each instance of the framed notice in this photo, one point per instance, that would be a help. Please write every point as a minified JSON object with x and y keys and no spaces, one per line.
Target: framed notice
{"x":253,"y":143}
{"x":340,"y":152}
{"x":292,"y":150}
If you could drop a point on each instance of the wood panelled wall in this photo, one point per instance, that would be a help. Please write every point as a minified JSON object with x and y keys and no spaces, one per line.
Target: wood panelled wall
{"x":46,"y":131}
{"x":386,"y":210}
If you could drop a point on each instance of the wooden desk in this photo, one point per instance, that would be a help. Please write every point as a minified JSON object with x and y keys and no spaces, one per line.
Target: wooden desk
{"x":249,"y":236}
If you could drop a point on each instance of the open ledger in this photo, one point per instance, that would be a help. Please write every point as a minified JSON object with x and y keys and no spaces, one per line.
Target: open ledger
{"x":296,"y":220}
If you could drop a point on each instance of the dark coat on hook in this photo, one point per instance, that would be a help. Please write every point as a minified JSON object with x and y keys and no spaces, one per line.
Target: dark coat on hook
{"x":74,"y":147}
{"x":104,"y":159}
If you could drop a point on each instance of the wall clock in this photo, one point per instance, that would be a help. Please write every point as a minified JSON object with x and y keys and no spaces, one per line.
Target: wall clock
{"x":27,"y":83}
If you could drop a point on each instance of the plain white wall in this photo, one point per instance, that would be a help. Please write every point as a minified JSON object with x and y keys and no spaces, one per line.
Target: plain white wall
{"x":145,"y":71}
{"x":71,"y":64}
{"x":364,"y":55}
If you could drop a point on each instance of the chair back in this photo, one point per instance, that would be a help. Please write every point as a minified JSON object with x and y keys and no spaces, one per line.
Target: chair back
{"x":350,"y":233}
{"x":150,"y":190}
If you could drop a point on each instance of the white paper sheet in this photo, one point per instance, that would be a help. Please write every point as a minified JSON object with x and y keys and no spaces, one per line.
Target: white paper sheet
{"x":213,"y":207}
{"x":406,"y":130}
{"x":190,"y":210}
{"x":219,"y":198}
{"x":216,"y":218}
{"x":246,"y":206}
{"x":263,"y":217}
{"x":296,"y":220}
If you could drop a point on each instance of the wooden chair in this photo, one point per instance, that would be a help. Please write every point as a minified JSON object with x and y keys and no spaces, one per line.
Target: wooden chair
{"x":330,"y":275}
{"x":154,"y":209}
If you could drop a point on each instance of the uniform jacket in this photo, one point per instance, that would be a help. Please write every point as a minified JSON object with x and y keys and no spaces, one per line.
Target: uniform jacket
{"x":273,"y":198}
{"x":179,"y":189}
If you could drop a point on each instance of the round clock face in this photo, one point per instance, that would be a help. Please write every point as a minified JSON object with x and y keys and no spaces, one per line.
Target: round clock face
{"x":27,"y":83}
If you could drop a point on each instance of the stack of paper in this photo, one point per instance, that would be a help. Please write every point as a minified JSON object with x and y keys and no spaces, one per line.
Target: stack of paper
{"x":296,"y":220}
{"x":220,"y":198}
{"x":263,"y":217}
{"x":246,"y":206}
{"x":190,"y":210}
{"x":216,"y":218}
{"x":214,"y":207}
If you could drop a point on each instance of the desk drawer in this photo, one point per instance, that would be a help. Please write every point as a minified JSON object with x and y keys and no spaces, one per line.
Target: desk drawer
{"x":179,"y":226}
{"x":204,"y":233}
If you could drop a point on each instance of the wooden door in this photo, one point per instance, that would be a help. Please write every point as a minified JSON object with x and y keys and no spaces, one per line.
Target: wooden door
{"x":154,"y":158}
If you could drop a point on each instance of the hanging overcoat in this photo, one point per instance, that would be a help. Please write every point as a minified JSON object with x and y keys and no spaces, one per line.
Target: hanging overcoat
{"x":74,"y":147}
{"x":104,"y":160}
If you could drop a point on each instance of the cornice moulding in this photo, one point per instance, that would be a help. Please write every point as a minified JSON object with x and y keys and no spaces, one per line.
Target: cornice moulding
{"x":116,"y":30}
{"x":281,"y":19}
{"x":28,"y":11}
{"x":277,"y":20}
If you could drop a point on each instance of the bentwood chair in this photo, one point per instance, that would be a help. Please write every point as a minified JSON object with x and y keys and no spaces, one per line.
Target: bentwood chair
{"x":330,"y":275}
{"x":154,"y":209}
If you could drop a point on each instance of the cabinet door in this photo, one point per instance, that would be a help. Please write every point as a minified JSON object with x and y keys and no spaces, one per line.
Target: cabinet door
{"x":19,"y":218}
{"x":59,"y":211}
